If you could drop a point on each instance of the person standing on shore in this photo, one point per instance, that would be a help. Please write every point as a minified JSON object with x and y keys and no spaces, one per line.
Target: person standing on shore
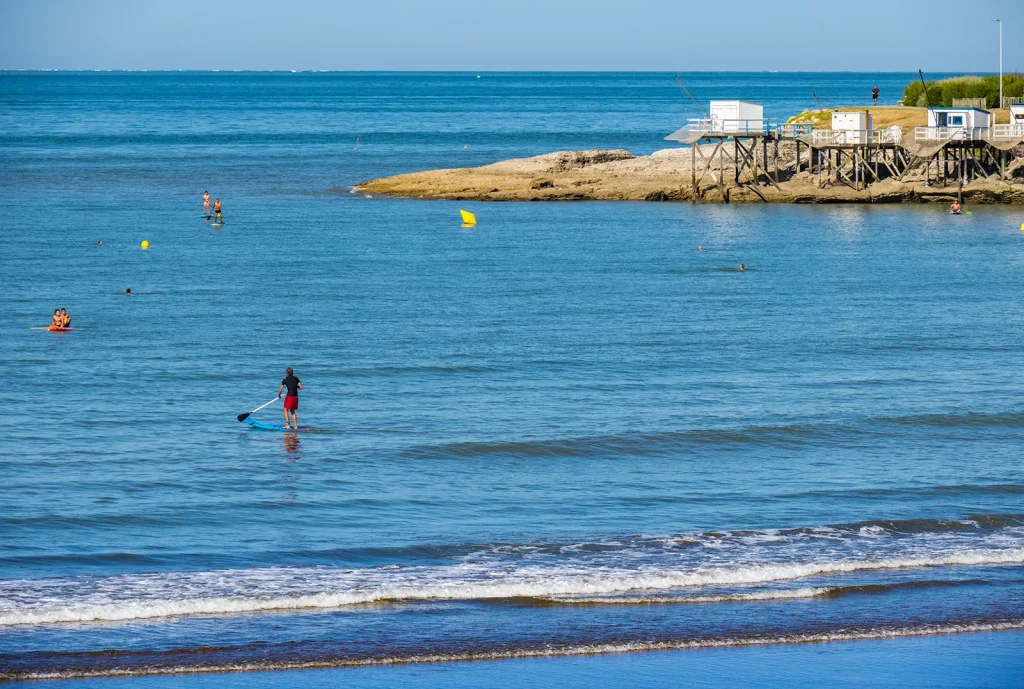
{"x":291,"y":400}
{"x":874,"y":95}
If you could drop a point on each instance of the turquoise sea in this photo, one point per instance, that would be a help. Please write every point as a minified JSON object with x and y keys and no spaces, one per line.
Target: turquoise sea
{"x":562,"y":433}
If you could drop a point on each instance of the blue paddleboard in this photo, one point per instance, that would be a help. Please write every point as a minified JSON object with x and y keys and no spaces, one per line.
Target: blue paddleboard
{"x":266,"y":426}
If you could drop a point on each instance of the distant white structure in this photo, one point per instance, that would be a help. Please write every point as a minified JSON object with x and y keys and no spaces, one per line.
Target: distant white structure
{"x":1013,"y":130}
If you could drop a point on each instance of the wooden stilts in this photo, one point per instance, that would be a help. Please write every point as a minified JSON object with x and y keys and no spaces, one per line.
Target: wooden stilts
{"x":693,"y":170}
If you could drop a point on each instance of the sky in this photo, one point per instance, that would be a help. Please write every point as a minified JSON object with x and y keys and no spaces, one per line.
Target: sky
{"x":484,"y":35}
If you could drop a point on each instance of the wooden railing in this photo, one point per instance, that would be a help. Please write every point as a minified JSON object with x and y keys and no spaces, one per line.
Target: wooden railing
{"x":793,"y":131}
{"x":839,"y":137}
{"x":715,"y":126}
{"x":951,"y":133}
{"x":1008,"y":131}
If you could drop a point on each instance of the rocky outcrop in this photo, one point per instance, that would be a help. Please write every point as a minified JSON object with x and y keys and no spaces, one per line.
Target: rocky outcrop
{"x":617,"y":175}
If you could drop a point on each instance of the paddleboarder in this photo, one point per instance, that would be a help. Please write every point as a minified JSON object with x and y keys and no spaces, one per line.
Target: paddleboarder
{"x":206,"y":204}
{"x":291,"y":400}
{"x":216,"y":212}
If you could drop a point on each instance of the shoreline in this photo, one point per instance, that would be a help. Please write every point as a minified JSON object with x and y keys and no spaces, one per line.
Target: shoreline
{"x":879,"y":661}
{"x":665,"y":175}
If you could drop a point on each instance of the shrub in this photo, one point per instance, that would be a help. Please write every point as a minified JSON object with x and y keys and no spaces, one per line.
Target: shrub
{"x":942,"y":93}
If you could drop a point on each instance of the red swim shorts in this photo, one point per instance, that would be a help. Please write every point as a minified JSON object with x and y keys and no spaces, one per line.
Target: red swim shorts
{"x":291,"y":403}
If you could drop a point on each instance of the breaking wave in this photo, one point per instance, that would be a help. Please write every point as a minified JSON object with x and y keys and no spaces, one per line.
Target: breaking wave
{"x":459,"y":582}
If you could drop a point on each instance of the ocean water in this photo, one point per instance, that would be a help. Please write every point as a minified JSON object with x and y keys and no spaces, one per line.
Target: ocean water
{"x":562,"y":432}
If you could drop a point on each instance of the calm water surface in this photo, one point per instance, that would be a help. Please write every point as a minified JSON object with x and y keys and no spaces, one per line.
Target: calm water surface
{"x":562,"y":430}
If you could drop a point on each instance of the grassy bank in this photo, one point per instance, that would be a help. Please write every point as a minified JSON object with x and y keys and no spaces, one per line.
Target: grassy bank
{"x":883,"y":117}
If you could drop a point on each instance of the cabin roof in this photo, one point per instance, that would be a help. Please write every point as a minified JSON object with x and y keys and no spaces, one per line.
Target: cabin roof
{"x":952,"y":109}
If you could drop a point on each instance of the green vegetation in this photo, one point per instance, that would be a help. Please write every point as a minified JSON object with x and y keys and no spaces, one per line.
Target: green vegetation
{"x":942,"y":93}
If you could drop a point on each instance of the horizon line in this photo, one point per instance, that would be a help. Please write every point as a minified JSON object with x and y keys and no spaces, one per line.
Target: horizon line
{"x":496,"y":71}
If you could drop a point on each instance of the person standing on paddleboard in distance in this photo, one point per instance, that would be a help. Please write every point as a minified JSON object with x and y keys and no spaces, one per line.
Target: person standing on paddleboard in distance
{"x":216,"y":211}
{"x":206,"y":204}
{"x":291,"y":400}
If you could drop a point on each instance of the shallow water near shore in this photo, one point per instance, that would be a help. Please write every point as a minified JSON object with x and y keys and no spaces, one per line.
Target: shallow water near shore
{"x":563,"y":431}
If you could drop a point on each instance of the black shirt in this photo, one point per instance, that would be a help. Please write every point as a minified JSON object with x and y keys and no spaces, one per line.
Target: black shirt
{"x":292,"y":383}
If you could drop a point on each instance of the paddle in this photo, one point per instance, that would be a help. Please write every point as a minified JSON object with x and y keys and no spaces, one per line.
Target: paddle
{"x":246,"y":415}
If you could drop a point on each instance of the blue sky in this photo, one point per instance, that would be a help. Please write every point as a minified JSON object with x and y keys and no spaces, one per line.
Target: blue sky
{"x":803,"y":35}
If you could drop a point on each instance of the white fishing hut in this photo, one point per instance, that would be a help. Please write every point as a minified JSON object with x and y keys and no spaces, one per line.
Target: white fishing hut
{"x":966,"y":118}
{"x":961,"y":124}
{"x":852,"y":127}
{"x":737,"y":117}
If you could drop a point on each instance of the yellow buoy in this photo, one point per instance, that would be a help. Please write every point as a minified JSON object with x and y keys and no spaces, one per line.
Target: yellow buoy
{"x":145,"y":244}
{"x":1022,"y":227}
{"x":467,"y":218}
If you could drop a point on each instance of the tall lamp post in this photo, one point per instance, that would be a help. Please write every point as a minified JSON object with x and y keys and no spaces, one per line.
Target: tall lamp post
{"x":1000,"y":61}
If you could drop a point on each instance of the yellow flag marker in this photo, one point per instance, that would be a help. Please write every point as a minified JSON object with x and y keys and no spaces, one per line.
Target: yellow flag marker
{"x":468,"y":218}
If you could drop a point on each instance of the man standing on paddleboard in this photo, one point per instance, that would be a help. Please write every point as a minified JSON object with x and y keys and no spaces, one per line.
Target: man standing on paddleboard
{"x":291,"y":400}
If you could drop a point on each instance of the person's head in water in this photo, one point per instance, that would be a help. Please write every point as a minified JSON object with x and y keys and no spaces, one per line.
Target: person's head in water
{"x":742,"y":267}
{"x":700,"y":248}
{"x":99,"y":243}
{"x":128,"y":291}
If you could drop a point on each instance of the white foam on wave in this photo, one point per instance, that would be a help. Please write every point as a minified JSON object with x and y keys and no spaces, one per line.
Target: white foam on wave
{"x":262,"y":589}
{"x":775,"y":594}
{"x":546,"y":652}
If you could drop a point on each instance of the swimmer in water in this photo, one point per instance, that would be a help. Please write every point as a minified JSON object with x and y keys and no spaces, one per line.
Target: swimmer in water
{"x":128,"y":292}
{"x":955,"y":208}
{"x":99,"y":243}
{"x":700,"y":248}
{"x":742,"y":267}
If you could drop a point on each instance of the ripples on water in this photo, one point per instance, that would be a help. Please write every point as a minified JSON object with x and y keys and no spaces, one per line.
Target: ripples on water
{"x":562,"y":431}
